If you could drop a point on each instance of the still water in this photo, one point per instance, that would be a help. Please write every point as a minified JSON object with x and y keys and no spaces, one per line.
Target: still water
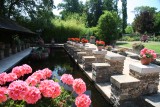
{"x":61,"y":61}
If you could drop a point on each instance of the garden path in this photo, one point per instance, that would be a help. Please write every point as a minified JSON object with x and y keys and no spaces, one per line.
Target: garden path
{"x":8,"y":62}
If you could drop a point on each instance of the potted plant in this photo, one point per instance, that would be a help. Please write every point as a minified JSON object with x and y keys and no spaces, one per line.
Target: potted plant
{"x":108,"y":48}
{"x":77,"y":40}
{"x":92,"y":39}
{"x":147,"y":56}
{"x":100,"y":44}
{"x":122,"y":51}
{"x":84,"y":41}
{"x":137,"y":47}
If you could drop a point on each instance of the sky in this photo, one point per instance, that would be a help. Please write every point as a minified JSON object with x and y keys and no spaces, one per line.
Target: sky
{"x":131,"y":4}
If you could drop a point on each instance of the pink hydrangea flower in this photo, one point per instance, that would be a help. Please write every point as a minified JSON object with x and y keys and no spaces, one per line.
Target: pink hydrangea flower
{"x":3,"y":92}
{"x":32,"y":81}
{"x":33,"y":95}
{"x":67,"y":79}
{"x":83,"y":101}
{"x":18,"y":70}
{"x":3,"y":78}
{"x":11,"y":77}
{"x":49,"y":88}
{"x":154,"y":55}
{"x":47,"y":72}
{"x":38,"y":75}
{"x":79,"y":86}
{"x":27,"y":69}
{"x":17,"y":90}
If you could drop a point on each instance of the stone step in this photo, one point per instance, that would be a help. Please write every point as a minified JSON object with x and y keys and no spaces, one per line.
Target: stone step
{"x":124,"y":89}
{"x":114,"y":57}
{"x":124,"y":81}
{"x":87,"y":62}
{"x":101,"y":72}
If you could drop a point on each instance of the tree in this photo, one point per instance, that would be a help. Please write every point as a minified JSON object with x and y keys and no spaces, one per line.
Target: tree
{"x":109,"y":27}
{"x":129,"y":29}
{"x":144,"y":19}
{"x":110,"y":5}
{"x":141,"y":9}
{"x":95,"y":9}
{"x":70,"y":6}
{"x":157,"y":22}
{"x":12,"y":8}
{"x":124,"y":15}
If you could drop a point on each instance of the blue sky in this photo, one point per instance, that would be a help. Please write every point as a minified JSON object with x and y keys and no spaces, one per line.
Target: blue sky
{"x":131,"y":4}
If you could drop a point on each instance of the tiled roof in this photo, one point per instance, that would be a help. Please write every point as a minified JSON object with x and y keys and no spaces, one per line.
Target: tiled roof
{"x":8,"y":24}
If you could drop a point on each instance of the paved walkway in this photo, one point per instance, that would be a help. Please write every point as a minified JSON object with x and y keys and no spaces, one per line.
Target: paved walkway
{"x":8,"y":62}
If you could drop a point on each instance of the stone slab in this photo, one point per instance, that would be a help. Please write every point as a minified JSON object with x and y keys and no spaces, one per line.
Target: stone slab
{"x":81,"y":53}
{"x":99,"y":52}
{"x":143,"y":69}
{"x":99,"y":65}
{"x":153,"y":100}
{"x":114,"y":56}
{"x":124,"y":81}
{"x":88,"y":58}
{"x":90,"y":48}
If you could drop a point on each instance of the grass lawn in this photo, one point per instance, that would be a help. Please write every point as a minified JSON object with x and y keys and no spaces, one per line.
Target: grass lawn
{"x":150,"y":45}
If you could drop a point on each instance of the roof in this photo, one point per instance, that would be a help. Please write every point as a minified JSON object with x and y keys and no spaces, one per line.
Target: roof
{"x":8,"y":24}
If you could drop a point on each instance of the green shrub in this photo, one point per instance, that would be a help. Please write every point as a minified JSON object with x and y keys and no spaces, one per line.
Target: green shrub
{"x":108,"y":27}
{"x":66,"y":29}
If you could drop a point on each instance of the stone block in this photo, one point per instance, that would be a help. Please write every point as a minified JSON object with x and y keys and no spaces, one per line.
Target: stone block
{"x":87,"y":62}
{"x":101,"y":72}
{"x":89,"y":50}
{"x":100,"y":55}
{"x":116,"y":61}
{"x":80,"y":55}
{"x":148,"y":75}
{"x":124,"y":88}
{"x":75,"y":53}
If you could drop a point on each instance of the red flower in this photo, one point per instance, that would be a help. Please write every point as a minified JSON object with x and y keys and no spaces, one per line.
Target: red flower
{"x":77,"y":39}
{"x":100,"y":43}
{"x":84,"y":40}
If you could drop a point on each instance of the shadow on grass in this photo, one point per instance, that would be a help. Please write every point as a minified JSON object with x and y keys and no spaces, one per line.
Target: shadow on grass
{"x":121,"y":43}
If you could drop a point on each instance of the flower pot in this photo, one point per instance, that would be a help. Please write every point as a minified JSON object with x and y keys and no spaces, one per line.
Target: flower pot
{"x":145,"y":61}
{"x":100,"y":48}
{"x":92,"y":40}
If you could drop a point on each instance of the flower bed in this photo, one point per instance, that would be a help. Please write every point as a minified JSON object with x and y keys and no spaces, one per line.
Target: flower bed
{"x":40,"y":90}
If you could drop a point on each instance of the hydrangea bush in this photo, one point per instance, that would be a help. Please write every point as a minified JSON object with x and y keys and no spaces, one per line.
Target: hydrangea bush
{"x":40,"y":90}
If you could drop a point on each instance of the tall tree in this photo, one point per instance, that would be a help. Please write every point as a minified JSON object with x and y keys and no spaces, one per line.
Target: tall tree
{"x":157,"y":22}
{"x":70,"y":6}
{"x":11,"y":8}
{"x":144,"y":20}
{"x":96,"y":8}
{"x":124,"y":15}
